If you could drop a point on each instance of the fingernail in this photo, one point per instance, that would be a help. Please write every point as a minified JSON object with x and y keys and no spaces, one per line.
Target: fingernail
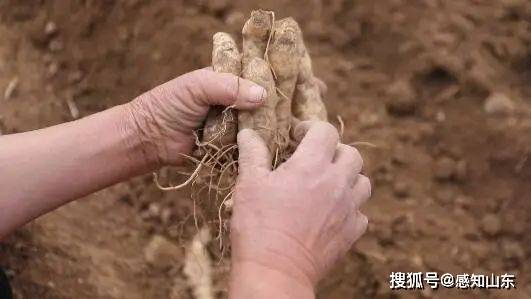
{"x":257,"y":94}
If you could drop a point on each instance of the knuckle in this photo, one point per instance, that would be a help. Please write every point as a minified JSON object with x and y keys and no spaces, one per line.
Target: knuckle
{"x":364,"y":221}
{"x":352,"y":152}
{"x":356,"y":158}
{"x":232,"y":86}
{"x":199,"y":74}
{"x":244,"y":135}
{"x":366,"y":186}
{"x":356,"y":154}
{"x":365,"y":181}
{"x":327,"y":128}
{"x":301,"y":129}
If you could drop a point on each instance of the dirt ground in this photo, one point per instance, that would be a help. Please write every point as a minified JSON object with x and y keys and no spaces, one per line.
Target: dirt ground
{"x":442,"y":88}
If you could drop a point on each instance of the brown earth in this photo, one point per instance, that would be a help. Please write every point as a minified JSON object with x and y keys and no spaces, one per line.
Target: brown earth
{"x":451,"y":168}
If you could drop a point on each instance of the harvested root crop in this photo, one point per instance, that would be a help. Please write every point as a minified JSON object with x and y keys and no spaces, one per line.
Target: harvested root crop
{"x":274,"y":56}
{"x":198,"y":266}
{"x":284,"y":56}
{"x":308,"y":103}
{"x":221,"y":123}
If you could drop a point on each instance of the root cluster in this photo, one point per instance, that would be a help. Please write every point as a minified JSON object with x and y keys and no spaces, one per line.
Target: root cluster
{"x":274,"y":56}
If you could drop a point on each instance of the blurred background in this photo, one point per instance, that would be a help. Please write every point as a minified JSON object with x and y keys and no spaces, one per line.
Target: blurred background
{"x":440,"y":88}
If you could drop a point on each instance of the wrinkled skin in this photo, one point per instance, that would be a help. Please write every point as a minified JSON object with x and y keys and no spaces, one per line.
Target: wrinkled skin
{"x":302,"y":217}
{"x":289,"y":225}
{"x":155,"y":129}
{"x":168,"y":115}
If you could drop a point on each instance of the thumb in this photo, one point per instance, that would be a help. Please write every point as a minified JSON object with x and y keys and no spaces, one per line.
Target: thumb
{"x":253,"y":153}
{"x":211,"y":88}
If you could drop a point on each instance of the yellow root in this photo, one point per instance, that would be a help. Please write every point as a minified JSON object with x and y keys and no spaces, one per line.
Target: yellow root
{"x":221,"y":123}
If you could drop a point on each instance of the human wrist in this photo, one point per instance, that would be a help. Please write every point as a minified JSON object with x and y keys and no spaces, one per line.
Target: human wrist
{"x":137,"y":141}
{"x":250,"y":279}
{"x":275,"y":249}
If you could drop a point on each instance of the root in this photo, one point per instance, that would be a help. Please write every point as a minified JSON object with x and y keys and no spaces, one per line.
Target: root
{"x":266,"y":52}
{"x":357,"y":143}
{"x":198,"y":266}
{"x":341,"y":126}
{"x":220,"y":219}
{"x":363,"y":143}
{"x":186,"y":183}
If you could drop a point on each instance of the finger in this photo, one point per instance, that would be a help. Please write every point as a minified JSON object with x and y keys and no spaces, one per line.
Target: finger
{"x":254,"y":155}
{"x":348,"y":159}
{"x":318,"y":141}
{"x":362,"y":190}
{"x":362,"y":222}
{"x":354,"y":228}
{"x":212,"y":88}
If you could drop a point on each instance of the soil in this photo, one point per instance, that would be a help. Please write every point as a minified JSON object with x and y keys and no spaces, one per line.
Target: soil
{"x":451,"y":173}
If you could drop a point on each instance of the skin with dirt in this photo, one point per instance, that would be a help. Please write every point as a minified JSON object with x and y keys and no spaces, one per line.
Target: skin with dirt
{"x":439,"y":87}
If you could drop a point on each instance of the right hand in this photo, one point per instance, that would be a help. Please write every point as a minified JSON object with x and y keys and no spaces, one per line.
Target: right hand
{"x":300,"y":218}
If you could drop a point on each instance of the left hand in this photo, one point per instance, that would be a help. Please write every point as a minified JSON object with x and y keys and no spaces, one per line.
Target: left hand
{"x":165,"y":117}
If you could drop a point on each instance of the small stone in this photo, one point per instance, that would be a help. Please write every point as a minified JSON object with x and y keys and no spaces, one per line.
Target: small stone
{"x":400,"y":156}
{"x":480,"y":250}
{"x":463,"y":201}
{"x":55,"y":45}
{"x":512,"y":250}
{"x":440,"y":116}
{"x":53,"y":69}
{"x":444,"y":168}
{"x":498,"y":104}
{"x":401,"y":98}
{"x":123,"y":33}
{"x":512,"y":4}
{"x":401,"y":189}
{"x":385,"y":235}
{"x":461,"y":170}
{"x":47,"y":58}
{"x":154,"y":209}
{"x":191,"y":10}
{"x":162,"y":254}
{"x":50,"y":28}
{"x":229,"y":203}
{"x":174,"y":232}
{"x":445,"y":195}
{"x":518,"y":225}
{"x":369,"y":120}
{"x":10,"y":273}
{"x":165,"y":216}
{"x":156,"y":56}
{"x":492,"y":204}
{"x":491,"y":224}
{"x":75,"y":76}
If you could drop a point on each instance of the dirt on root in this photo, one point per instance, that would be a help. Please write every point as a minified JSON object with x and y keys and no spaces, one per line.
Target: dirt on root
{"x":440,"y":87}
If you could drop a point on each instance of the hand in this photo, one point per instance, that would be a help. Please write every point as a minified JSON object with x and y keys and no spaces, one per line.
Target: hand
{"x":301,"y":218}
{"x":166,"y":116}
